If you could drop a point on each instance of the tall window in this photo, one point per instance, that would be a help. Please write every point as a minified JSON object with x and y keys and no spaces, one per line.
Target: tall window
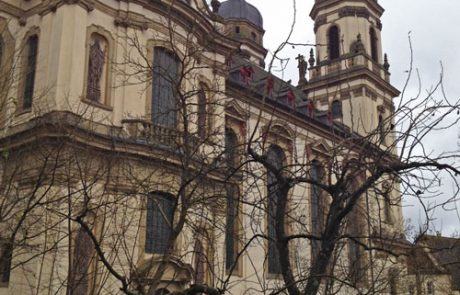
{"x":354,"y":250}
{"x":276,"y":157}
{"x":334,"y":43}
{"x":30,"y":69}
{"x":317,"y":214}
{"x":381,"y":130}
{"x":336,"y":109}
{"x":160,"y":214}
{"x":5,"y":262}
{"x":164,"y":92}
{"x":81,"y":262}
{"x":374,"y":50}
{"x":231,"y":243}
{"x":202,"y":112}
{"x":96,"y":84}
{"x":387,"y":207}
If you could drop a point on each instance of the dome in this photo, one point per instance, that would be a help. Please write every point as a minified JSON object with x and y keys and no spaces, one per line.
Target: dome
{"x":239,"y":9}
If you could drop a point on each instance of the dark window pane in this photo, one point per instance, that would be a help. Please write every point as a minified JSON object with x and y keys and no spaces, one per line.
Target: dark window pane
{"x":164,"y":102}
{"x":374,"y":50}
{"x":317,"y":215}
{"x":202,"y":115}
{"x":83,"y":254}
{"x":336,"y":109}
{"x":232,"y":192}
{"x":30,"y":69}
{"x":275,"y":156}
{"x":231,"y":225}
{"x":5,"y":262}
{"x":334,"y":43}
{"x":160,"y":213}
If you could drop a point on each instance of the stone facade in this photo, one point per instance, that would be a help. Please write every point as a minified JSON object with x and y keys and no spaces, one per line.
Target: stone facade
{"x":89,"y":154}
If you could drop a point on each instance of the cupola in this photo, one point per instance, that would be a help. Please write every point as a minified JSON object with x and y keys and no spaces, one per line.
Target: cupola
{"x":244,"y":23}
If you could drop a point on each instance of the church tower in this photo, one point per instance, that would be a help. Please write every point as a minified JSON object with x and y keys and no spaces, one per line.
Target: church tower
{"x":349,"y":77}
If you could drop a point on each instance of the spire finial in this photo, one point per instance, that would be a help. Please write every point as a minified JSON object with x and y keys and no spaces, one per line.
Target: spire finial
{"x":312,"y":60}
{"x":386,"y":64}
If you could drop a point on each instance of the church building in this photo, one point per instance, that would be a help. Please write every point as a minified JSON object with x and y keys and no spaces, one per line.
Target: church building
{"x":145,"y":146}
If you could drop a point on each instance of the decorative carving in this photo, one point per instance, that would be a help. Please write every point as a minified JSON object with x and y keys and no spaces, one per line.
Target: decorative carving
{"x":302,"y":66}
{"x":320,"y":20}
{"x":125,"y":19}
{"x":95,"y":71}
{"x":215,"y":4}
{"x":22,"y":21}
{"x":358,"y":46}
{"x":386,"y":64}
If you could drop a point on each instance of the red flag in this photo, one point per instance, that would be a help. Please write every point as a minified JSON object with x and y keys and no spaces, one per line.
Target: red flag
{"x":310,"y":108}
{"x":329,"y":117}
{"x":291,"y":97}
{"x":246,"y":73}
{"x":270,"y":83}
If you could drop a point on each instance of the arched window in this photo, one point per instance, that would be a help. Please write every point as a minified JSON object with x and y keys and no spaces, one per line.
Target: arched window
{"x":164,"y":93}
{"x":374,"y":50}
{"x":336,"y":109}
{"x":334,"y":42}
{"x":202,"y":112}
{"x":317,"y":206}
{"x":97,"y":74}
{"x":232,"y":191}
{"x":275,"y":156}
{"x":237,"y":29}
{"x":355,"y":253}
{"x":81,"y":262}
{"x":30,"y":67}
{"x":160,"y":214}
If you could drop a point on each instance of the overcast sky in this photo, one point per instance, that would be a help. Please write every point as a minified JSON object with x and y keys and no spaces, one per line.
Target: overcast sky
{"x":435,"y":37}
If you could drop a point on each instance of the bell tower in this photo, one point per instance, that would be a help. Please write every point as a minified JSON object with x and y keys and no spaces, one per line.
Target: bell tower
{"x":348,"y":72}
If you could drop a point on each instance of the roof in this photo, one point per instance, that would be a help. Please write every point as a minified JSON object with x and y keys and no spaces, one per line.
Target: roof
{"x":447,"y":252}
{"x":282,"y":95}
{"x":240,"y":9}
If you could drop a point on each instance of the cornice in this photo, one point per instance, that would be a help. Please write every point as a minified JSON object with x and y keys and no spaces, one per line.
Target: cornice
{"x":348,"y":75}
{"x":326,"y":4}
